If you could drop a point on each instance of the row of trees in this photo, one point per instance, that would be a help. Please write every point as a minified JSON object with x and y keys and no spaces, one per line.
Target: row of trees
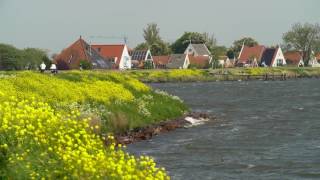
{"x":302,"y":37}
{"x":12,"y":58}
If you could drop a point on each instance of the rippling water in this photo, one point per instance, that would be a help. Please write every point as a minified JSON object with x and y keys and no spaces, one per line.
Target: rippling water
{"x":265,"y":130}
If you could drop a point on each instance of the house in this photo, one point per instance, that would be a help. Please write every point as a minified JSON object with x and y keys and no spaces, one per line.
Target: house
{"x":201,"y":62}
{"x":272,"y":57}
{"x":118,"y":53}
{"x":197,"y":50}
{"x":250,"y":56}
{"x":140,"y":57}
{"x":261,"y":56}
{"x":294,"y":58}
{"x":318,"y":57}
{"x":80,"y":50}
{"x":313,"y":62}
{"x":225,"y":61}
{"x":178,"y":61}
{"x":160,"y":62}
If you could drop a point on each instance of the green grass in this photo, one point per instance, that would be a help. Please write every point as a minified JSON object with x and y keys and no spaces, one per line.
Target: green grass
{"x":193,"y":75}
{"x":116,"y":101}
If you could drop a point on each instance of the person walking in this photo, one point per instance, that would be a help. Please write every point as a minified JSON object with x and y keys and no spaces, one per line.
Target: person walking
{"x":42,"y":67}
{"x":53,"y":69}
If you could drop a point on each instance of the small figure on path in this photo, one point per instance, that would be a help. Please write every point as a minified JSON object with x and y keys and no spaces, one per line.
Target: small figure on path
{"x":53,"y":69}
{"x":42,"y":67}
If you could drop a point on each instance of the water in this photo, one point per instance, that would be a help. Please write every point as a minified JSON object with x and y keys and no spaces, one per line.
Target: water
{"x":264,"y":130}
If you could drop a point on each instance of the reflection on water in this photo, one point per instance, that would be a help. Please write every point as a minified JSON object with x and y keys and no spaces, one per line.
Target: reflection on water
{"x":265,"y":130}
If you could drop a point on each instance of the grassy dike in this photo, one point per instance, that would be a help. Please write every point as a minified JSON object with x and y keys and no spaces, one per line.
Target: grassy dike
{"x":50,"y":126}
{"x":193,"y":75}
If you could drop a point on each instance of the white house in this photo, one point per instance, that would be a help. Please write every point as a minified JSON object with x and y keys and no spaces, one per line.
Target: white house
{"x":139,"y":57}
{"x":197,"y":50}
{"x":119,"y":53}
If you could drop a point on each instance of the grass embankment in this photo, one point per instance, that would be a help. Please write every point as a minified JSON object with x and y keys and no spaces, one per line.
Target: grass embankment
{"x":50,"y":125}
{"x":192,"y":75}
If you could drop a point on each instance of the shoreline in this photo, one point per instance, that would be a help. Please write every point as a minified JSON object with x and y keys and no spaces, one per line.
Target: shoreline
{"x":148,"y":132}
{"x":217,"y":78}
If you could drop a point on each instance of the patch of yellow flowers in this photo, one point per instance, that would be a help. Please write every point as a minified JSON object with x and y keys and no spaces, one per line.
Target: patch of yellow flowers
{"x":36,"y":142}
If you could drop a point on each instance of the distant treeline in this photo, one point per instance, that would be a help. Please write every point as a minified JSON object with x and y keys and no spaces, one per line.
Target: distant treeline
{"x":12,"y":58}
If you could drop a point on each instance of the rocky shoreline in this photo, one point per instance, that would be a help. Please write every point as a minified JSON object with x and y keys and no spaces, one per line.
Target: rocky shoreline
{"x":145,"y":133}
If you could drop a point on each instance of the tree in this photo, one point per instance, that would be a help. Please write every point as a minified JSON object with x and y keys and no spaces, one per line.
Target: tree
{"x":230,"y":54}
{"x":12,"y":58}
{"x":85,"y":64}
{"x":218,"y":51}
{"x":141,"y":46}
{"x":151,"y":34}
{"x":153,"y":41}
{"x":180,"y":45}
{"x":247,"y":41}
{"x":304,"y":38}
{"x":33,"y":57}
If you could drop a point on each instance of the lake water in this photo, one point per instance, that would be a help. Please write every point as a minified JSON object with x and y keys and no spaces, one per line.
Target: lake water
{"x":264,"y":130}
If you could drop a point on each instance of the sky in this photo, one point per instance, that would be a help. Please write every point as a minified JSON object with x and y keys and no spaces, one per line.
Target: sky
{"x":55,"y":24}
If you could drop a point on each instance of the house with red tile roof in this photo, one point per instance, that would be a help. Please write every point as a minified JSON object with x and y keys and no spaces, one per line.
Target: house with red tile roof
{"x":140,"y":57}
{"x":313,"y":62}
{"x":318,"y":57}
{"x":250,"y":56}
{"x":200,"y":62}
{"x":160,"y":62}
{"x":261,"y":56}
{"x":294,"y":58}
{"x":80,"y":50}
{"x":117,"y":52}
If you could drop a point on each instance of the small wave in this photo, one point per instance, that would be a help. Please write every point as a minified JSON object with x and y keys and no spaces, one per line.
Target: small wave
{"x":250,"y":166}
{"x":195,"y":122}
{"x":234,"y":129}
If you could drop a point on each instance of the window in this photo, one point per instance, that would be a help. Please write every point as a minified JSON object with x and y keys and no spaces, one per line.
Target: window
{"x":279,"y":62}
{"x":99,"y":49}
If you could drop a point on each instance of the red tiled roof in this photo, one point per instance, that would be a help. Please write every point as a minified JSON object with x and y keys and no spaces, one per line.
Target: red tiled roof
{"x":249,"y":52}
{"x":199,"y":61}
{"x":293,"y":57}
{"x":318,"y":56}
{"x":71,"y":56}
{"x":110,"y":51}
{"x":161,"y":60}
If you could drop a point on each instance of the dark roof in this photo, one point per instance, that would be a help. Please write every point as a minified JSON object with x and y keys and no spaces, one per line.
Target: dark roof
{"x":268,"y":56}
{"x":70,"y":57}
{"x":201,"y":49}
{"x":176,"y":61}
{"x":139,"y":55}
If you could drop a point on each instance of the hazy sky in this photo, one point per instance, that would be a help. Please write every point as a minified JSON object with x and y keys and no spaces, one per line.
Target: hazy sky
{"x":54,"y":24}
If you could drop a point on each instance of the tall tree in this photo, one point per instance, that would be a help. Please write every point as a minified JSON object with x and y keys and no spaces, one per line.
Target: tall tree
{"x":153,"y":41}
{"x":180,"y":45}
{"x":151,"y":34}
{"x":247,"y":41}
{"x":304,"y":38}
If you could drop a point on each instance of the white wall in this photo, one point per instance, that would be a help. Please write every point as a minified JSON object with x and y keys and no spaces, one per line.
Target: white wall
{"x":279,"y":55}
{"x":186,"y":62}
{"x":125,"y":64}
{"x":190,"y":50}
